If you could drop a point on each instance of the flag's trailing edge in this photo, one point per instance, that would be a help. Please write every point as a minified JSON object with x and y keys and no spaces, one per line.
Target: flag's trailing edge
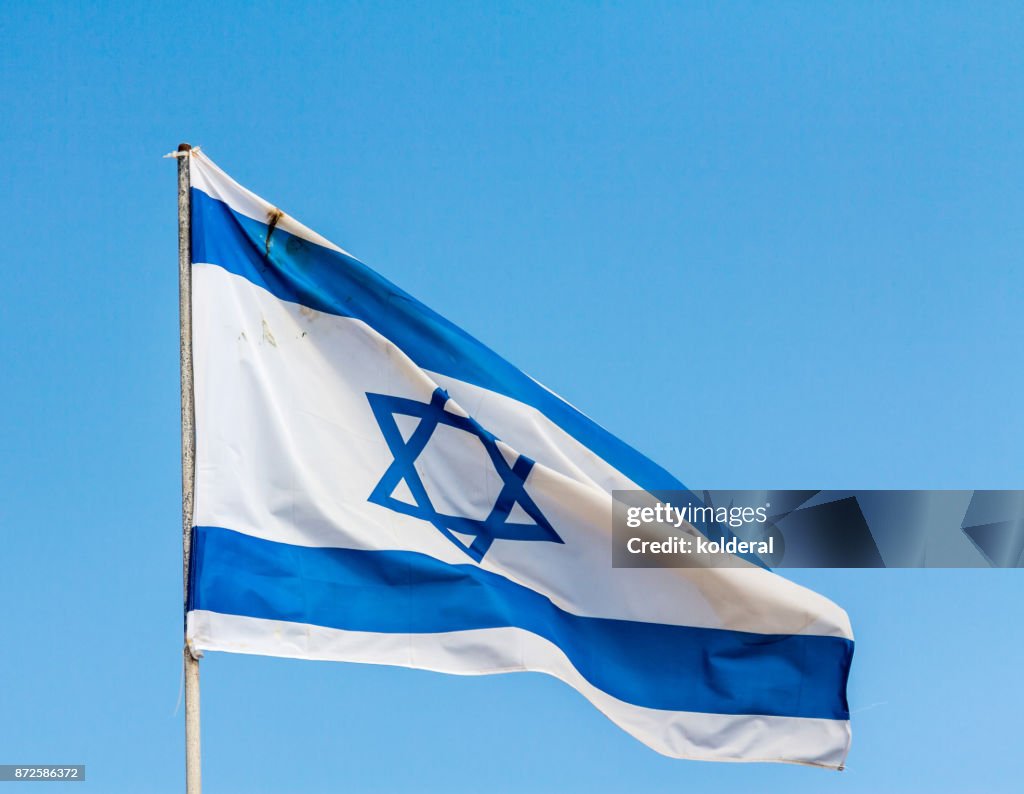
{"x":375,"y":485}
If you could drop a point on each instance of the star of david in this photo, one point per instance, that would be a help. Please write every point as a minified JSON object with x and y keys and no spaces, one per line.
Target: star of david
{"x":473,"y":536}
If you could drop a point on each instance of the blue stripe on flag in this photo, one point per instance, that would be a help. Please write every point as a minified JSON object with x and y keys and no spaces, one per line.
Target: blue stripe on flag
{"x":320,"y":278}
{"x":677,"y":668}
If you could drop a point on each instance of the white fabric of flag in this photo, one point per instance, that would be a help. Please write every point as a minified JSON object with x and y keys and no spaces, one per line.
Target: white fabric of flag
{"x":375,"y":485}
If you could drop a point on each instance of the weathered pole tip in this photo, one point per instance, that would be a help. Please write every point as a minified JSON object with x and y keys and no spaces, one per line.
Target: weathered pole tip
{"x":184,"y":147}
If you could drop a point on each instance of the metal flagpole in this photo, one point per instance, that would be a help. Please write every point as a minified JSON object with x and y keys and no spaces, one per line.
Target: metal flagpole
{"x":193,"y":777}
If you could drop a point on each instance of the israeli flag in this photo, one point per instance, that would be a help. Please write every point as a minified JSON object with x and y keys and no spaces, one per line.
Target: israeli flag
{"x":375,"y":485}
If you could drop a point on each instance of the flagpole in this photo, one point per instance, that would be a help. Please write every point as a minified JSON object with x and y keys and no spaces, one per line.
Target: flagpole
{"x":193,"y":776}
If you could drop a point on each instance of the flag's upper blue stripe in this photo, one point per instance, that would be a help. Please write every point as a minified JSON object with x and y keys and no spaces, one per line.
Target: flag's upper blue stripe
{"x":677,"y":668}
{"x":320,"y":278}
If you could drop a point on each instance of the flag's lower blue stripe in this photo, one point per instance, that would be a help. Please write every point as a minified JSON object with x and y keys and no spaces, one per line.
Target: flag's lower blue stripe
{"x":296,"y":270}
{"x":678,"y":668}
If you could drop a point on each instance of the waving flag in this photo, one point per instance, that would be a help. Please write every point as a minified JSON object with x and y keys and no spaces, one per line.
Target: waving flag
{"x":375,"y":485}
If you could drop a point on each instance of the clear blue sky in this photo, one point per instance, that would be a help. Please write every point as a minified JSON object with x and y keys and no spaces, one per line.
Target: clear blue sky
{"x":771,"y":245}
